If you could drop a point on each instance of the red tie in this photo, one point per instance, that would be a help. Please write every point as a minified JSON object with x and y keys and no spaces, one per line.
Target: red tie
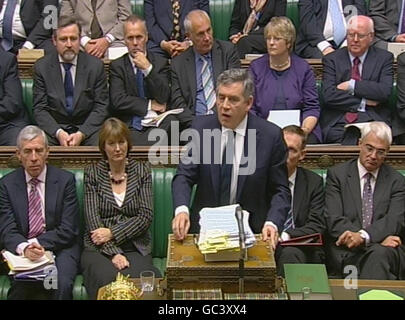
{"x":355,"y":69}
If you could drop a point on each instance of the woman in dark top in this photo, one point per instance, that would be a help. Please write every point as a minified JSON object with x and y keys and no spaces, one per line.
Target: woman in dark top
{"x":284,"y":81}
{"x":118,"y":212}
{"x":249,"y":17}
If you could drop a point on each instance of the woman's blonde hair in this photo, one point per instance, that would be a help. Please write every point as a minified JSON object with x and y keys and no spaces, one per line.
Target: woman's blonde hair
{"x":281,"y":27}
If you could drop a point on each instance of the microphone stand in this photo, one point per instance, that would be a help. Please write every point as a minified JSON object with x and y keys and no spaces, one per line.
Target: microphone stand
{"x":242,"y":247}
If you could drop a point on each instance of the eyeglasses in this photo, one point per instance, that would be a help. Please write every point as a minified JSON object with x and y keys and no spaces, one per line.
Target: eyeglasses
{"x":379,"y":152}
{"x":359,"y":35}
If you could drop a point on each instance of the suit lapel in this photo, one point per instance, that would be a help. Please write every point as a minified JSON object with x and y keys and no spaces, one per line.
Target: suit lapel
{"x":132,"y":185}
{"x":129,"y":70}
{"x":191,"y":73}
{"x":1,"y":4}
{"x":51,"y":194}
{"x":299,"y":193}
{"x":369,"y":65}
{"x":379,"y":192}
{"x":105,"y":184}
{"x":57,"y":80}
{"x":353,"y":183}
{"x":217,"y":66}
{"x":22,"y":205}
{"x":23,"y":2}
{"x":80,"y":79}
{"x":215,"y":168}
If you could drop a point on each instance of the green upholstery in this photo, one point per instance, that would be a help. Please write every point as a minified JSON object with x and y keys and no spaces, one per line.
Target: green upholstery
{"x":137,"y":7}
{"x":221,"y":13}
{"x":293,"y":13}
{"x":28,"y":98}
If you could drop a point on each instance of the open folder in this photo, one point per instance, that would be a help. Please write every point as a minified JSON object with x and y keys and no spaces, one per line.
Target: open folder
{"x":314,"y":239}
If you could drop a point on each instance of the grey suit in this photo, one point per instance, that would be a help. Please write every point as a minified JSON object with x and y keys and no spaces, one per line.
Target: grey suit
{"x":183,"y":76}
{"x":129,"y":224}
{"x":343,"y":211}
{"x":110,"y":14}
{"x":90,"y":103}
{"x":385,"y":14}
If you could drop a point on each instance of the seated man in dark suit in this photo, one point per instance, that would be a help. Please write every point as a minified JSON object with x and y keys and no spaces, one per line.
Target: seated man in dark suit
{"x":389,"y":22}
{"x":306,"y":214}
{"x":323,"y":25}
{"x":101,"y":22}
{"x":195,"y":71}
{"x":70,"y":90}
{"x":357,"y":83}
{"x":398,"y":121}
{"x":165,"y":22}
{"x":12,"y":112}
{"x":253,"y":169}
{"x":364,"y":210}
{"x":39,"y":211}
{"x":139,"y":84}
{"x":23,"y":24}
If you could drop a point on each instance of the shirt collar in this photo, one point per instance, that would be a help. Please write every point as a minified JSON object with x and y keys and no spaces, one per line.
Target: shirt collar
{"x":363,"y":171}
{"x":240,"y":129}
{"x":199,"y":56}
{"x":362,"y":57}
{"x":73,"y":62}
{"x":41,"y":177}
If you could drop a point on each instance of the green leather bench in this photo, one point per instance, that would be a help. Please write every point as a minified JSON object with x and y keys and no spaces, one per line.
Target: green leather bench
{"x":160,"y":228}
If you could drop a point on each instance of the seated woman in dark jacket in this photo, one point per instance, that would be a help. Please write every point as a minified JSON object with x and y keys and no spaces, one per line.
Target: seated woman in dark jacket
{"x":284,"y":81}
{"x":118,"y":212}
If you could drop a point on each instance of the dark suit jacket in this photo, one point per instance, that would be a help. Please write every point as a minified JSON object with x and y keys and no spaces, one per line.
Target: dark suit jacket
{"x":124,"y":96}
{"x":183,"y":74}
{"x":132,"y":220}
{"x":376,"y":84}
{"x":343,"y":202}
{"x":385,"y":14}
{"x":159,"y":17}
{"x":32,"y":17}
{"x":11,"y":102}
{"x":61,"y":211}
{"x":313,"y":15}
{"x":264,"y":193}
{"x":90,"y":100}
{"x":398,"y":121}
{"x":241,"y":12}
{"x":308,"y":203}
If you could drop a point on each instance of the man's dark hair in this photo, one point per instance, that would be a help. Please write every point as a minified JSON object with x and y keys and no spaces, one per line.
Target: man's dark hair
{"x":297,"y":130}
{"x":67,"y":21}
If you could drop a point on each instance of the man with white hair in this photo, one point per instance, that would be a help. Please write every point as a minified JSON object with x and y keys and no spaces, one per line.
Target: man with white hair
{"x":357,"y":83}
{"x":364,"y":211}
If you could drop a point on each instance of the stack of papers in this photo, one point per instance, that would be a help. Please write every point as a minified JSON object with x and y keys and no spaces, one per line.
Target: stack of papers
{"x":23,"y":268}
{"x":219,"y":230}
{"x":154,"y":120}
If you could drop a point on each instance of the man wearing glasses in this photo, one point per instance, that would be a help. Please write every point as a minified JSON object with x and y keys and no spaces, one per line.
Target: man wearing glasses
{"x":357,"y":83}
{"x":364,"y":211}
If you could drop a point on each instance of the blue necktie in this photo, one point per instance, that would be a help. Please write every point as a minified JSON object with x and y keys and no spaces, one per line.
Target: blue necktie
{"x":137,"y":120}
{"x":339,"y":31}
{"x":226,"y":169}
{"x":7,"y":41}
{"x":289,"y":223}
{"x":68,"y":87}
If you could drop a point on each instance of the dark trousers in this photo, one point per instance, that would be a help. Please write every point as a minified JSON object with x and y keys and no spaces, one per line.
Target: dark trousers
{"x":291,"y":254}
{"x":148,"y":136}
{"x":9,"y":133}
{"x":91,"y":140}
{"x":47,"y":45}
{"x":99,"y":271}
{"x":252,"y":43}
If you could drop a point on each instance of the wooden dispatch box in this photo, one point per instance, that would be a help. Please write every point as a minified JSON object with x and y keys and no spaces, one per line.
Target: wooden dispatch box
{"x":187,"y":269}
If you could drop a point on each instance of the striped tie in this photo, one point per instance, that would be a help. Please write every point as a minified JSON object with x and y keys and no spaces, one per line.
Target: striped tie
{"x":208,"y":85}
{"x":289,"y":223}
{"x":35,"y":219}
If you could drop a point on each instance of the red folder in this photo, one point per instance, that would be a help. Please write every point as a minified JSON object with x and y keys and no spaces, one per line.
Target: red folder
{"x":308,"y":240}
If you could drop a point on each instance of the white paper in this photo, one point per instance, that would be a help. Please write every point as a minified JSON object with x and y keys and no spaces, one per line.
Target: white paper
{"x":116,"y":52}
{"x":396,"y":48}
{"x":284,"y":118}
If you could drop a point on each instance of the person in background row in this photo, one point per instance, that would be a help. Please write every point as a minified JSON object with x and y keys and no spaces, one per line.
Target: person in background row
{"x":249,"y":17}
{"x":101,"y":22}
{"x":24,"y":24}
{"x":323,"y":25}
{"x":284,"y":81}
{"x":70,"y":90}
{"x":139,"y":84}
{"x":39,"y":211}
{"x":357,"y":83}
{"x":306,"y":214}
{"x":165,"y":22}
{"x":193,"y":73}
{"x":13,"y":116}
{"x":118,"y":212}
{"x":364,"y":211}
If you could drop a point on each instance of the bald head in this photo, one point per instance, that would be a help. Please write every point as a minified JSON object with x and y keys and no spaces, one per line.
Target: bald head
{"x":197,"y":26}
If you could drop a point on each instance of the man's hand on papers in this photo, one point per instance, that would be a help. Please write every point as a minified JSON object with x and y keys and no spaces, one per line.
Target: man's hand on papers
{"x":270,"y":233}
{"x":157,"y":107}
{"x":34,"y":251}
{"x":181,"y":225}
